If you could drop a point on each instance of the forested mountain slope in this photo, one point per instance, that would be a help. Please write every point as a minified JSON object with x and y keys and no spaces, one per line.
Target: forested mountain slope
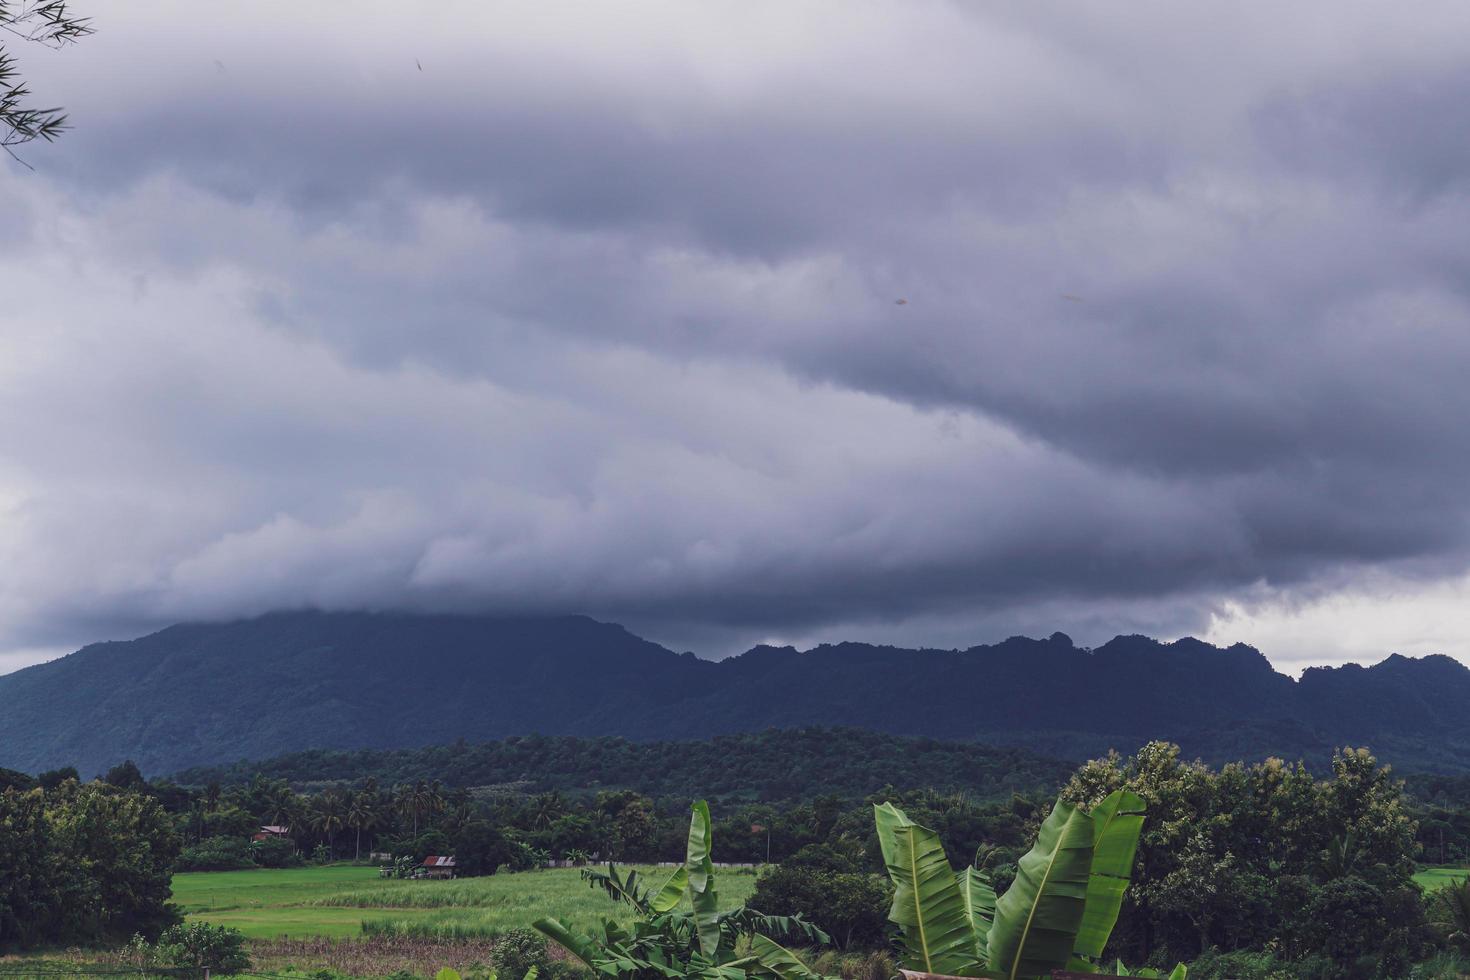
{"x":790,"y":764}
{"x":197,"y":694}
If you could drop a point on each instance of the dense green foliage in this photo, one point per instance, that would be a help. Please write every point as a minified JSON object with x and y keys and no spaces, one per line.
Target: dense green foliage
{"x":832,"y":889}
{"x":82,"y":864}
{"x":1057,"y":913}
{"x":291,"y":682}
{"x":216,"y":854}
{"x":680,"y":930}
{"x":200,"y":946}
{"x":771,"y":765}
{"x":1318,"y":871}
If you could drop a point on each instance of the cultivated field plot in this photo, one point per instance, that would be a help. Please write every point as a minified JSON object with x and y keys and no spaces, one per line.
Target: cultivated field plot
{"x":1431,"y":878}
{"x":346,"y":900}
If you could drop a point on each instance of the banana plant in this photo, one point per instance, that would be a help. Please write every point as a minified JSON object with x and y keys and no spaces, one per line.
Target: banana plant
{"x":1057,"y":914}
{"x":666,"y":941}
{"x":1180,"y":972}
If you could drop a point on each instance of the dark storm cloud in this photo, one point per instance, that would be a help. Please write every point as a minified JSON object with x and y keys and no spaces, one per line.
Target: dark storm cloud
{"x":916,"y":321}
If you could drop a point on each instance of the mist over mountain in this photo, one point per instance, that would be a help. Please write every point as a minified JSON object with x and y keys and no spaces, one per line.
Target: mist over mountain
{"x":202,"y":694}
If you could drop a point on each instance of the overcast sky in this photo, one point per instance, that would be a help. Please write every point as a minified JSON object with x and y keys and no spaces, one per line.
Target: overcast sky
{"x":913,"y":322}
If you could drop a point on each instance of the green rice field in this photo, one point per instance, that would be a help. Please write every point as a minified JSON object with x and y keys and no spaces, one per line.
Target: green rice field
{"x":344,"y":900}
{"x":1431,"y":878}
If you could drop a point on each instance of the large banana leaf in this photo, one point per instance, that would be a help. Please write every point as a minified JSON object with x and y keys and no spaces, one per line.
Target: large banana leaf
{"x":582,"y":948}
{"x":779,"y":960}
{"x":888,"y":818}
{"x":700,"y":871}
{"x":1117,"y":822}
{"x":979,"y":899}
{"x":1036,"y":920}
{"x":667,"y":897}
{"x":927,"y":905}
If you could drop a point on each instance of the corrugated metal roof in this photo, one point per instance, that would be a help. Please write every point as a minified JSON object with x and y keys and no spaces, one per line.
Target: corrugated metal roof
{"x":439,"y":862}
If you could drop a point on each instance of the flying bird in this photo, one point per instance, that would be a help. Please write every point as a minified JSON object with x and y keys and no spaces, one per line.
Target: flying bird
{"x":900,"y":302}
{"x":1069,"y":297}
{"x":419,"y":63}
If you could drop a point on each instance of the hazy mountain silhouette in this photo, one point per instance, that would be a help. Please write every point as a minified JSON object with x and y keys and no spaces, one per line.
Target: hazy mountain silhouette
{"x":198,"y":694}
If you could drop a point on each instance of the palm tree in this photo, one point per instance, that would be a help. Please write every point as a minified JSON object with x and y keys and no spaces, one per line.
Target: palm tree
{"x":460,"y":808}
{"x":282,"y":806}
{"x":545,"y":809}
{"x":434,"y":800}
{"x":196,"y":812}
{"x":1455,"y":899}
{"x":362,"y":814}
{"x":329,"y":815}
{"x":412,"y":800}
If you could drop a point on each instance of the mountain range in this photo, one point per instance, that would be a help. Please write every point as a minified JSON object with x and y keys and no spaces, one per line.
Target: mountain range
{"x":210,"y":693}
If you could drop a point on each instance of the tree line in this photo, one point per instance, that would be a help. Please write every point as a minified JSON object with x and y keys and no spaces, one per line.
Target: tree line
{"x":773,"y":765}
{"x":1266,"y":860}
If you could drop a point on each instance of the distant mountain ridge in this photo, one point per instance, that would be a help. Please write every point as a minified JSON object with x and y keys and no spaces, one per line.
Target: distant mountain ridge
{"x":201,"y":694}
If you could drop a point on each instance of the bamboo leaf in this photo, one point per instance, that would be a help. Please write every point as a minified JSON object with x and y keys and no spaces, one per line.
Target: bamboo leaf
{"x":1117,"y":822}
{"x":1036,"y":920}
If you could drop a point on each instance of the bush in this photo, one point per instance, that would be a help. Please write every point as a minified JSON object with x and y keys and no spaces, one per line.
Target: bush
{"x":823,"y":857}
{"x":216,"y":854}
{"x":517,"y":951}
{"x":431,"y":842}
{"x":1240,"y":965}
{"x":851,"y":908}
{"x":479,"y":849}
{"x":201,"y":946}
{"x":275,"y":852}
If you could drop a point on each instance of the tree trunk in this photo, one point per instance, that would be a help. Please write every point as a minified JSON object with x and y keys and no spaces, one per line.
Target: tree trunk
{"x":357,"y":851}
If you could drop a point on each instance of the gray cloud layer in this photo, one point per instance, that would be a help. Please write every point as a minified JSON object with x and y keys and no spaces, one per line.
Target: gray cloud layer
{"x":597,"y":312}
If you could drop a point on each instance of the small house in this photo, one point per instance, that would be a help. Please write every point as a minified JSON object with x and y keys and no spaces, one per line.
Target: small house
{"x":270,"y":832}
{"x":437,"y":867}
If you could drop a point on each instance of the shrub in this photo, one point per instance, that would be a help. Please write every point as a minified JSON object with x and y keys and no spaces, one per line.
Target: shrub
{"x":823,"y":857}
{"x":851,"y":908}
{"x":517,"y":951}
{"x":201,"y":946}
{"x":479,"y":849}
{"x":216,"y":854}
{"x":1240,"y":965}
{"x":275,"y":852}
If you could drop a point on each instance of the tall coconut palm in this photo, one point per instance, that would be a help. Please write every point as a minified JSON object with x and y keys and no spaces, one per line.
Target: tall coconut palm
{"x":329,"y":815}
{"x":362,"y":814}
{"x":460,"y":808}
{"x":412,"y":800}
{"x":282,"y":806}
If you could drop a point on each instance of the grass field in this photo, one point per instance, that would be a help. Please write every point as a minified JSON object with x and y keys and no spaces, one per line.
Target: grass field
{"x":1438,"y":877}
{"x":346,"y":900}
